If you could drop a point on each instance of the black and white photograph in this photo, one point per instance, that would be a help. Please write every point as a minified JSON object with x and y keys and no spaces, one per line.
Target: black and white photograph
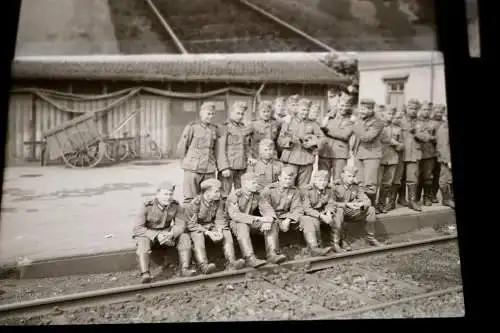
{"x":167,"y":162}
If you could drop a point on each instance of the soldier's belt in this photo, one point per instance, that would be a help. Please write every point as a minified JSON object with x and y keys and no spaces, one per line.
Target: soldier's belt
{"x":331,"y":137}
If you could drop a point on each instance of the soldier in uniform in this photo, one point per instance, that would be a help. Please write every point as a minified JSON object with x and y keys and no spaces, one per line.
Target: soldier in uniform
{"x":234,"y":149}
{"x":291,"y":108}
{"x":197,"y":148}
{"x":298,"y":141}
{"x":353,"y":205}
{"x":427,"y":139}
{"x":368,"y":132}
{"x":314,"y":112}
{"x":437,"y":118}
{"x":206,"y":217}
{"x":282,"y":201}
{"x":267,"y":168}
{"x":317,"y":200}
{"x":338,"y":131}
{"x":243,"y":210}
{"x":264,"y":128}
{"x":279,"y":109}
{"x":161,"y":223}
{"x":392,"y":147}
{"x":444,"y":158}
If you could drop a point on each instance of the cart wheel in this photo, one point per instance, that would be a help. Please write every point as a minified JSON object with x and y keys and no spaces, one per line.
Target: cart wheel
{"x":87,"y":152}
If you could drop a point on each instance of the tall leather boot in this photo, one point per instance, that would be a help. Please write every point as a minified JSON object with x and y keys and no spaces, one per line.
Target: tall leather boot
{"x":185,"y":263}
{"x":232,"y":263}
{"x":372,"y":197}
{"x":412,"y":202}
{"x":447,"y":198}
{"x":435,"y":182}
{"x":143,"y":260}
{"x":312,"y":243}
{"x":201,"y":258}
{"x":391,"y":201}
{"x":247,"y":251}
{"x":427,"y":193}
{"x":370,"y":231}
{"x":418,"y":191}
{"x":272,"y":242}
{"x":402,"y":194}
{"x":383,"y":195}
{"x":336,"y":241}
{"x":344,"y":244}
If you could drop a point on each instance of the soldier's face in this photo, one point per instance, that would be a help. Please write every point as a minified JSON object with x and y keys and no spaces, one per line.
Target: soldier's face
{"x":348,"y":178}
{"x":438,"y":113}
{"x":365,"y":111}
{"x":207,"y":115}
{"x":292,"y":108}
{"x":251,"y":185}
{"x":164,"y":197}
{"x":344,"y":108}
{"x":265,"y":113}
{"x":213,"y":193}
{"x":320,"y":182}
{"x":238,"y":114}
{"x":266,"y":152}
{"x":424,"y":113}
{"x":279,"y":108}
{"x":314,"y":113}
{"x":304,"y":112}
{"x":411,"y":110}
{"x":397,"y":119}
{"x":286,"y":180}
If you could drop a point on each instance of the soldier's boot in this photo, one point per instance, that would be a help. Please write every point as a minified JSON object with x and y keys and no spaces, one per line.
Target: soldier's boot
{"x":185,"y":263}
{"x":247,"y":251}
{"x":271,"y":240}
{"x":336,"y":241}
{"x":402,"y":195}
{"x":447,"y":198}
{"x":435,"y":189}
{"x":418,"y":191}
{"x":312,"y":243}
{"x":427,"y":194}
{"x":370,"y":233}
{"x":412,"y":192}
{"x":201,"y":258}
{"x":144,"y":267}
{"x":383,"y":195}
{"x":232,"y":262}
{"x":391,"y":198}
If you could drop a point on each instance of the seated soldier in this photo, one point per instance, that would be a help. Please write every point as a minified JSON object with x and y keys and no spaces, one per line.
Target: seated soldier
{"x":206,"y":217}
{"x":160,"y":222}
{"x":243,"y":210}
{"x":282,"y":202}
{"x":267,"y":167}
{"x":353,"y":205}
{"x":317,"y":200}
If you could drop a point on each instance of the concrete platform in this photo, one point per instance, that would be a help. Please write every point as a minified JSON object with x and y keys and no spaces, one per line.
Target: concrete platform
{"x":58,"y":221}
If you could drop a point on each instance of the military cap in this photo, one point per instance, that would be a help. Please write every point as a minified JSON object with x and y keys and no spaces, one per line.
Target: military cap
{"x":166,"y":185}
{"x":321,"y":173}
{"x":247,"y":176}
{"x":266,"y":143}
{"x":208,"y":106}
{"x":210,"y":183}
{"x":351,"y":169}
{"x":289,"y":171}
{"x":265,"y":105}
{"x":304,"y":102}
{"x":367,"y":102}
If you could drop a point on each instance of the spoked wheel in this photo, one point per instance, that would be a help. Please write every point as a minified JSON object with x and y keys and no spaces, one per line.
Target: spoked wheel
{"x":87,"y":151}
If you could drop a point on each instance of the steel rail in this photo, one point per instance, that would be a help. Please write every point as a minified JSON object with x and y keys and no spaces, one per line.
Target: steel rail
{"x":167,"y":27}
{"x":127,"y":293}
{"x":374,"y":307}
{"x":287,"y":25}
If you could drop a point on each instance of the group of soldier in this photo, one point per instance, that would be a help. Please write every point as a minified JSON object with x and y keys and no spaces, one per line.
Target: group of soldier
{"x":289,"y":170}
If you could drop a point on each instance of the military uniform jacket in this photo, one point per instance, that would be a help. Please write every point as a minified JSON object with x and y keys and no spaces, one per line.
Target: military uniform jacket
{"x":268,"y":172}
{"x":391,"y":153}
{"x":338,"y":131}
{"x":233,"y":146}
{"x":201,"y":214}
{"x":198,"y":147}
{"x":443,"y":143}
{"x":427,"y":130}
{"x":316,"y":202}
{"x":262,"y":129}
{"x":413,"y":149}
{"x":242,"y":207}
{"x":289,"y":140}
{"x":281,"y":203}
{"x":354,"y":193}
{"x":155,"y":218}
{"x":368,"y":133}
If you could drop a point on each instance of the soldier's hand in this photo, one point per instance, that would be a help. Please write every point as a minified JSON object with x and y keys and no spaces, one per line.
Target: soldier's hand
{"x":160,"y":238}
{"x":226,"y":173}
{"x":266,"y":219}
{"x":266,"y":226}
{"x":285,"y":225}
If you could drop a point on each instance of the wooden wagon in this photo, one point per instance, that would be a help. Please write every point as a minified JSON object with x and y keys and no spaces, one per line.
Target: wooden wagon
{"x":80,"y":144}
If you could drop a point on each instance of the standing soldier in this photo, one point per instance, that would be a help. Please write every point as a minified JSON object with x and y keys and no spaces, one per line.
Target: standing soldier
{"x":279,"y":109}
{"x":444,"y":158}
{"x":197,"y":148}
{"x":314,"y":112}
{"x":291,"y":108}
{"x":338,"y":131}
{"x":234,"y":149}
{"x":264,"y":128}
{"x":437,"y":118}
{"x":411,"y":157}
{"x":298,"y":140}
{"x":267,"y":168}
{"x":282,"y":201}
{"x":392,"y":147}
{"x":243,"y":210}
{"x":353,"y":205}
{"x":206,"y":217}
{"x":368,"y":131}
{"x":427,"y":139}
{"x":317,"y":200}
{"x":160,"y":223}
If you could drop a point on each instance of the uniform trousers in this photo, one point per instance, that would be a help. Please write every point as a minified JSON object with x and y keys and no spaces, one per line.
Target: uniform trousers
{"x":445,"y":175}
{"x":228,"y":182}
{"x":191,"y":183}
{"x":387,"y":174}
{"x":426,"y":169}
{"x":334,"y":166}
{"x":304,"y":173}
{"x":368,"y":174}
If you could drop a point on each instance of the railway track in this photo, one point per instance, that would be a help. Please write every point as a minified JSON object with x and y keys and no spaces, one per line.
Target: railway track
{"x":311,"y":268}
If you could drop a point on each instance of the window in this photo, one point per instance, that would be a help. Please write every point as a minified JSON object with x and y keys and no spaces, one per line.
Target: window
{"x":395,"y":87}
